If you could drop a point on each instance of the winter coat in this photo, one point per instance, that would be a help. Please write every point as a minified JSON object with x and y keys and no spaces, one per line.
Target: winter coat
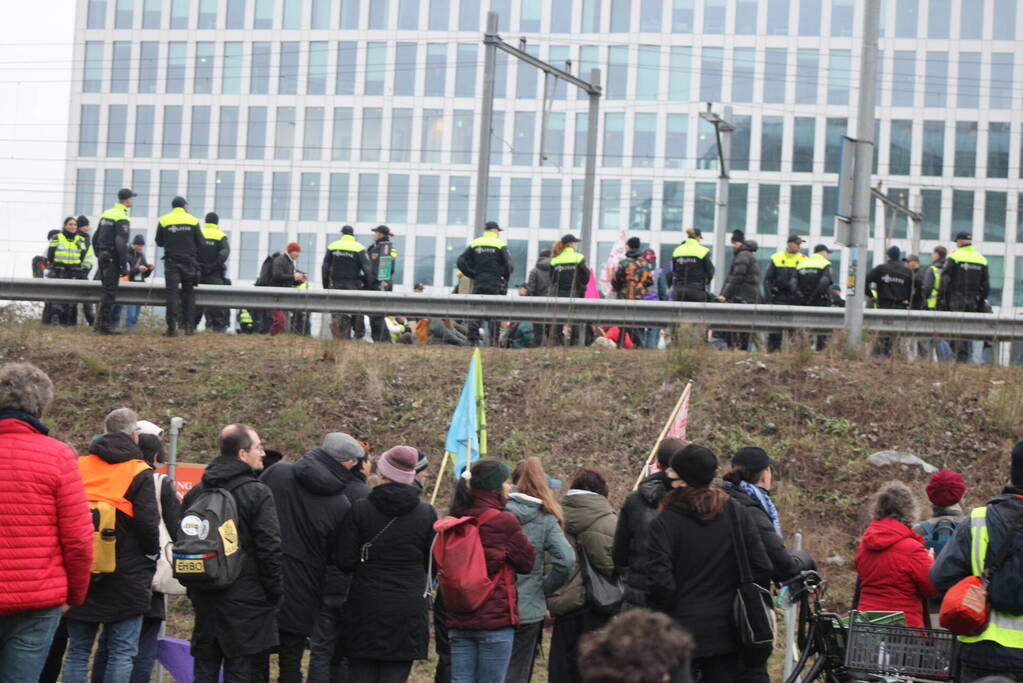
{"x":553,"y":552}
{"x":127,"y":591}
{"x":504,"y":543}
{"x":743,"y":284}
{"x":539,"y":282}
{"x":310,"y":501}
{"x":590,"y":528}
{"x":693,"y":572}
{"x":782,"y":562}
{"x":283,"y":272}
{"x":894,"y":285}
{"x":386,"y":616}
{"x":642,"y":270}
{"x":45,"y":525}
{"x":241,"y":619}
{"x":630,"y":541}
{"x":893,"y":569}
{"x":335,"y":581}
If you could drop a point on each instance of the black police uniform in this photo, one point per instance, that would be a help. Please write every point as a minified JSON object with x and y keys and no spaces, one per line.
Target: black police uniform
{"x":487,"y":262}
{"x":181,"y":238}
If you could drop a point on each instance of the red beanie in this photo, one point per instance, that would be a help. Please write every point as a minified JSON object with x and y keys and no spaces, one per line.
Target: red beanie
{"x":293,"y":246}
{"x":946,"y":488}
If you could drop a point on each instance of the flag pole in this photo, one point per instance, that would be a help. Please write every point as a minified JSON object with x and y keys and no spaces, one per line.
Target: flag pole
{"x":667,"y":425}
{"x":440,"y":476}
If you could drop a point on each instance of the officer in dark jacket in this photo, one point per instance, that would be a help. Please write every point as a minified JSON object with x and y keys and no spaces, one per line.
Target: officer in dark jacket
{"x":181,"y":238}
{"x":998,"y":650}
{"x":383,"y":258}
{"x":814,"y":278}
{"x":691,"y":270}
{"x":213,"y":255}
{"x":346,"y":266}
{"x":569,"y":276}
{"x":965,"y":285}
{"x":111,"y":246}
{"x":234,"y":624}
{"x":890,"y":286}
{"x":488,"y":264}
{"x":638,"y":511}
{"x":310,"y":501}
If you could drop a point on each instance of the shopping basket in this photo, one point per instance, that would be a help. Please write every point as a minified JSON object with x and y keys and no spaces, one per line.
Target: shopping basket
{"x":900,"y":650}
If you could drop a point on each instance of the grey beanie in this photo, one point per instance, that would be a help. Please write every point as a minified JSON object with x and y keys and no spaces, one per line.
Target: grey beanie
{"x":342,"y":447}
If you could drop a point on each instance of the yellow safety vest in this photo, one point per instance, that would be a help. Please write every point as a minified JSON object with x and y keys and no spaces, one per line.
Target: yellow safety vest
{"x":784,"y":259}
{"x":568,"y":255}
{"x":68,"y":252}
{"x":1004,"y":629}
{"x":690,"y":248}
{"x":968,"y":254}
{"x":932,"y":298}
{"x":178,"y":216}
{"x":244,"y":317}
{"x":212,"y":231}
{"x":815,"y":261}
{"x":347,"y":243}
{"x":488,"y":240}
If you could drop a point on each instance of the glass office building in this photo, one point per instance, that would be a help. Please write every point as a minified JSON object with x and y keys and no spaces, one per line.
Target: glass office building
{"x":291,"y":118}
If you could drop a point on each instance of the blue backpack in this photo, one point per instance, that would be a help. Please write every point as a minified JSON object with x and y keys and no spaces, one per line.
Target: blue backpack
{"x":937,"y":534}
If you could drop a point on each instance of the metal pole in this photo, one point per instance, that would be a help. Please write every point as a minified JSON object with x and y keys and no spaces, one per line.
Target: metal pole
{"x":791,"y":653}
{"x":861,"y":184}
{"x":590,"y":181}
{"x":486,"y":124}
{"x":172,"y":463}
{"x":724,"y":135}
{"x":916,"y":225}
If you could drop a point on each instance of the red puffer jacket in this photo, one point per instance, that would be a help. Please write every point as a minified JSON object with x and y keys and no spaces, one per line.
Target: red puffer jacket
{"x":45,"y":524}
{"x":893,"y":567}
{"x":504,"y":542}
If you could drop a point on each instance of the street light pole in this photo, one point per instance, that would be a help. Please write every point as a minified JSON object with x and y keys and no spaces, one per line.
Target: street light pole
{"x":723,"y":128}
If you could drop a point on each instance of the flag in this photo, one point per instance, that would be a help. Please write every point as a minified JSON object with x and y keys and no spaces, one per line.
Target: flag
{"x":591,"y":287}
{"x":467,"y":435}
{"x":607,"y":273}
{"x":678,"y":426}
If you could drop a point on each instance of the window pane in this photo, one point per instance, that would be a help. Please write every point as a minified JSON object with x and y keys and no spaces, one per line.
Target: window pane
{"x":675,"y":142}
{"x":904,"y":79}
{"x":85,"y":190}
{"x":223,"y":194}
{"x":610,"y":204}
{"x":255,"y":136}
{"x":378,"y":14}
{"x":521,"y":202}
{"x":405,"y":69}
{"x":227,"y":133}
{"x":349,"y":14}
{"x":738,"y":199}
{"x":995,"y":208}
{"x":369,"y":188}
{"x":337,"y":206}
{"x":550,"y":203}
{"x":433,"y":135}
{"x":376,"y":54}
{"x":120,"y":67}
{"x":711,"y":72}
{"x":199,"y":141}
{"x":465,"y":70}
{"x":436,"y":69}
{"x":372,"y":127}
{"x":672,"y":205}
{"x":117,"y":129}
{"x":828,"y":204}
{"x":1005,"y":20}
{"x":461,"y":137}
{"x":743,"y":73}
{"x":140,"y":184}
{"x":767,"y":209}
{"x":522,"y":143}
{"x":235,"y":14}
{"x":316,"y":75}
{"x":809,"y":17}
{"x":930,"y":207}
{"x":706,"y":146}
{"x":614,"y":139}
{"x":714,"y":16}
{"x":1001,"y":80}
{"x":561,"y":16}
{"x":841,"y":18}
{"x":203,"y":77}
{"x":554,"y":141}
{"x":704,"y":206}
{"x":425,"y":259}
{"x":906,"y":16}
{"x":900,"y":145}
{"x":171,"y":147}
{"x":319,"y":15}
{"x":291,"y":14}
{"x":936,"y":80}
{"x":998,"y":149}
{"x":591,"y":16}
{"x":774,"y":75}
{"x":996,"y":273}
{"x":401,"y":135}
{"x":252,"y":195}
{"x":88,"y":130}
{"x":195,"y":192}
{"x":969,"y":80}
{"x":644,"y":140}
{"x":777,"y":17}
{"x":397,"y":198}
{"x":263,"y":16}
{"x":408,"y":15}
{"x":232,"y":69}
{"x":681,"y":16}
{"x":971,"y":19}
{"x":806,"y":77}
{"x":962,"y":211}
{"x":346,"y":56}
{"x":966,"y":149}
{"x":679,"y":74}
{"x":96,"y":14}
{"x":772,"y":128}
{"x":280,"y":196}
{"x":641,"y":200}
{"x":429,"y":199}
{"x":648,"y":76}
{"x":833,"y":132}
{"x":799,"y":211}
{"x":938,"y":18}
{"x":529,"y":16}
{"x":149,"y":58}
{"x":259,"y":76}
{"x":621,"y":13}
{"x":287,"y":81}
{"x":933,"y":162}
{"x":284,"y":133}
{"x":741,"y":142}
{"x":803,"y":144}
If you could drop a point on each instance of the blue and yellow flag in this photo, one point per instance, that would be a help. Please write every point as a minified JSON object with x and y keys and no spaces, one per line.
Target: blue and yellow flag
{"x":467,"y":435}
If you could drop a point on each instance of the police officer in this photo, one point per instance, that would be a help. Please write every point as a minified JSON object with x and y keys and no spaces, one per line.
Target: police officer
{"x":813,"y":278}
{"x":965,"y":285}
{"x":111,"y":245}
{"x":890,"y":286}
{"x":569,"y":276}
{"x":87,"y":261}
{"x":66,"y":252}
{"x":382,"y":257}
{"x":780,"y":282}
{"x":213,"y":255}
{"x":932,"y":277}
{"x":346,"y":266}
{"x":488,"y":264}
{"x":691,"y":269}
{"x":181,"y":238}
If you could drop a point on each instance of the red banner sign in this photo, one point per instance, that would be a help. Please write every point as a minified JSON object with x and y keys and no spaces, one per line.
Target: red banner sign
{"x":185,"y":477}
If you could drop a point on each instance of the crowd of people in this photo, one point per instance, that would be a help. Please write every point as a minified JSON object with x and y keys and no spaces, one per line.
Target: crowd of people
{"x":197,"y":254}
{"x":338,"y":550}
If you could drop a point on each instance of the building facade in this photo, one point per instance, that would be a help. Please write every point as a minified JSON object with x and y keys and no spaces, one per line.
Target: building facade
{"x":291,"y":118}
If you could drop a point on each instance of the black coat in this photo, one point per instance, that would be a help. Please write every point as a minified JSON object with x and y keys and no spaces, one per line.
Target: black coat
{"x":242,"y":619}
{"x":386,"y":616}
{"x":310,"y":501}
{"x":894,"y":285}
{"x":743,"y":283}
{"x":632,"y":532}
{"x":693,"y":573}
{"x":784,"y":566}
{"x":127,"y":591}
{"x":337,"y":582}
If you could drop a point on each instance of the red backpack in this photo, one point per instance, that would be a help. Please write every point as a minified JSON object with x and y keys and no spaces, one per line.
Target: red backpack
{"x":462,"y":564}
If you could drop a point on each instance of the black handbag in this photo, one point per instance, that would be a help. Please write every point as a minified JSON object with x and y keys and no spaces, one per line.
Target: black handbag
{"x":752,"y":612}
{"x":604,"y":595}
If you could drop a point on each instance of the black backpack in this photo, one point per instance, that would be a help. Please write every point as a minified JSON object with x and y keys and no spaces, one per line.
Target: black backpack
{"x":208,"y":552}
{"x":266,"y":271}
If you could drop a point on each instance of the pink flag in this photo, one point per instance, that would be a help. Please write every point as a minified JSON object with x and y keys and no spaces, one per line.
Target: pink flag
{"x":591,"y":287}
{"x":678,"y":425}
{"x":611,"y":265}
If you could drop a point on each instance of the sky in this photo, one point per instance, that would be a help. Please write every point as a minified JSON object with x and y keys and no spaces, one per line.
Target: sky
{"x":35,"y":90}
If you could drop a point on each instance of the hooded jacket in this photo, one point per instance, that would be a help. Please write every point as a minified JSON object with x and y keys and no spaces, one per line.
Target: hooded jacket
{"x":386,"y":616}
{"x":743,"y":283}
{"x":336,"y":582}
{"x":590,"y":526}
{"x":554,"y":561}
{"x":643,"y":276}
{"x":539,"y":282}
{"x":126,"y":592}
{"x":242,"y":619}
{"x":282,"y":273}
{"x":633,"y":531}
{"x":782,"y":562}
{"x":311,"y":505}
{"x":893,"y":568}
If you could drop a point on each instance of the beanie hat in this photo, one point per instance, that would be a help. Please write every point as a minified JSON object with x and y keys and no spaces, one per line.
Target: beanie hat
{"x":82,"y":220}
{"x":399,"y":464}
{"x":212,"y":217}
{"x":422,"y":463}
{"x":293,"y":246}
{"x":945,"y":488}
{"x":342,"y":447}
{"x":139,"y":239}
{"x":696,"y":465}
{"x":179,"y":202}
{"x":632,"y":243}
{"x":152,"y":448}
{"x":347,"y":230}
{"x":1017,"y":464}
{"x":494,"y":480}
{"x":738,"y":236}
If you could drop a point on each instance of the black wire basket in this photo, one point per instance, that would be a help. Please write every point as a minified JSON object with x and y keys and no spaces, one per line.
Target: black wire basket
{"x":900,"y":650}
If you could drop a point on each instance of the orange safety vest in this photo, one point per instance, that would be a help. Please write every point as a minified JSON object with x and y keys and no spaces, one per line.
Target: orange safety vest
{"x":106,"y":482}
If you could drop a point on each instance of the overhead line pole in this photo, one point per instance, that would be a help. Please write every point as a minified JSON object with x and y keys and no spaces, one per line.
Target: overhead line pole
{"x":723,"y":128}
{"x":486,"y":124}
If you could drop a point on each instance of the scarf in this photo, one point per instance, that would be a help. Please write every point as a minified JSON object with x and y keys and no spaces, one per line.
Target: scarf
{"x":31,"y":420}
{"x":763,"y":499}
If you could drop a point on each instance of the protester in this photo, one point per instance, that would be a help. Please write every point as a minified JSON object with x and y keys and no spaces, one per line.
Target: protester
{"x":891,"y":562}
{"x":945,"y":491}
{"x":309,"y":496}
{"x":743,"y":283}
{"x":590,"y":527}
{"x":119,"y":487}
{"x":539,"y":281}
{"x":533,"y":504}
{"x":997,"y":649}
{"x":632,"y":280}
{"x":638,"y":511}
{"x":385,"y":542}
{"x":481,"y":640}
{"x":652,"y":335}
{"x":234,"y":624}
{"x":284,"y":274}
{"x":692,"y":566}
{"x":138,"y":270}
{"x":638,"y":646}
{"x":39,"y":480}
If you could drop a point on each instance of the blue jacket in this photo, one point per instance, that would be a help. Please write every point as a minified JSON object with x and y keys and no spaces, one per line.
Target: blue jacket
{"x":553,"y":554}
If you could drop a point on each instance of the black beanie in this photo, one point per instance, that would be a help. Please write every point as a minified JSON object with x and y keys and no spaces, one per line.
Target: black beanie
{"x":212,"y":218}
{"x":738,"y":236}
{"x":696,"y":465}
{"x":1016,"y":470}
{"x":632,"y":243}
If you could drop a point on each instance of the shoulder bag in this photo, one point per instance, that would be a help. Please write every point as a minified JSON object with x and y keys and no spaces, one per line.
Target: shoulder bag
{"x":751,"y":610}
{"x":604,"y":595}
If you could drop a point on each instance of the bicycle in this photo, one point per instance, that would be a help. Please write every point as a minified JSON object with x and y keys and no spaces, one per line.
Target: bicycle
{"x":857,"y":651}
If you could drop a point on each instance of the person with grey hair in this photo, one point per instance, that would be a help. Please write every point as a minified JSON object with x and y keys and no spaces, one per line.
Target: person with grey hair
{"x":891,"y":561}
{"x":39,"y":481}
{"x":119,"y":487}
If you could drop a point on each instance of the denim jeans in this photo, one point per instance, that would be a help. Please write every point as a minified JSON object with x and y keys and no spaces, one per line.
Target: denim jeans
{"x":145,"y":659}
{"x":480,"y":656}
{"x":24,"y":643}
{"x":122,"y":646}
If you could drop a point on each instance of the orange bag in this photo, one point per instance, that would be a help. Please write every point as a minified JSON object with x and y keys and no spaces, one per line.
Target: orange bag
{"x":964,"y":609}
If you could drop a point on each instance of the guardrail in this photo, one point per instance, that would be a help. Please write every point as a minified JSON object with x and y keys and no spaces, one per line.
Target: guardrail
{"x":729,"y":317}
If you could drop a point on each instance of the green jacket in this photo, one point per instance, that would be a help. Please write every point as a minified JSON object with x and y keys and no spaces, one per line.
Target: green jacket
{"x":555,"y":558}
{"x":589,"y":522}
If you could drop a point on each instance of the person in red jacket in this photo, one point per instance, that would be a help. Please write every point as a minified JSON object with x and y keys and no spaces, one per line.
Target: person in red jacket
{"x":45,"y":525}
{"x":481,"y":641}
{"x":892,"y":564}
